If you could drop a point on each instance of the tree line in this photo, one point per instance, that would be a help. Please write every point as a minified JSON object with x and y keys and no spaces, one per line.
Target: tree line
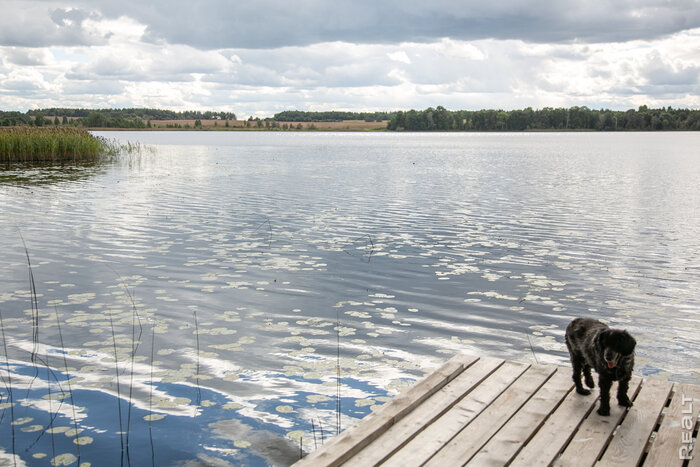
{"x":330,"y":116}
{"x":548,"y":118}
{"x":430,"y":119}
{"x":104,"y":118}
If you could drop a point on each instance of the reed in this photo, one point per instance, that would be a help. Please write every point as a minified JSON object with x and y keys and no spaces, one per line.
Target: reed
{"x":37,"y":145}
{"x":8,"y":385}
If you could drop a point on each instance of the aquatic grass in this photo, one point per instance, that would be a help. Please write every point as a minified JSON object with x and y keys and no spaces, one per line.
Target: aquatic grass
{"x":196,"y":332}
{"x":119,"y":396}
{"x":150,"y":399}
{"x":135,"y":342}
{"x":35,"y":310}
{"x":337,"y":372}
{"x":8,"y":385}
{"x":70,"y":388}
{"x":53,"y":145}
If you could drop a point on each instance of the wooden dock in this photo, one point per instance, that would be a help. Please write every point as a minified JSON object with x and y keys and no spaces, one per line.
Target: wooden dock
{"x":485,"y":411}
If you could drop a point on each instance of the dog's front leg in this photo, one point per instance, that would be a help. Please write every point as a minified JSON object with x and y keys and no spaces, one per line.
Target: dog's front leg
{"x":604,"y":383}
{"x":578,"y":366}
{"x":622,"y":389}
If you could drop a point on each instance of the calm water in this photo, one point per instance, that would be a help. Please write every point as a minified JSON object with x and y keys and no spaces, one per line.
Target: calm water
{"x":206,"y":288}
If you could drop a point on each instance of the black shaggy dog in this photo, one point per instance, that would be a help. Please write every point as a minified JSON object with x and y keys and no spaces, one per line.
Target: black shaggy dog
{"x":610,"y":352}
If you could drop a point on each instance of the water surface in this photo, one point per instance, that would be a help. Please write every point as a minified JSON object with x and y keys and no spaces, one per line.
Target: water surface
{"x":207,"y":289}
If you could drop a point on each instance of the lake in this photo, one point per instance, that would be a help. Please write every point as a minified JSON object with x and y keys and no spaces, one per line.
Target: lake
{"x":237,"y":297}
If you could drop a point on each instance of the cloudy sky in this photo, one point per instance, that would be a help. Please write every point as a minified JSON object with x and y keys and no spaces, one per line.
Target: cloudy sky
{"x":261,"y":57}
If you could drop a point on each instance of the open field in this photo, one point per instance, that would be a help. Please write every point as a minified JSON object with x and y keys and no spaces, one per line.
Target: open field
{"x":347,"y":125}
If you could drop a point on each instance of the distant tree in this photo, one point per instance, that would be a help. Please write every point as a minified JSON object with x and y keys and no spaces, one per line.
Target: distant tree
{"x":198,"y":124}
{"x":97,"y":120}
{"x":39,"y":120}
{"x":64,"y":121}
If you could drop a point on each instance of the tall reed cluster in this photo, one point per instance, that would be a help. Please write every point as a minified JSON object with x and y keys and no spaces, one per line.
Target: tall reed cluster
{"x":51,"y":145}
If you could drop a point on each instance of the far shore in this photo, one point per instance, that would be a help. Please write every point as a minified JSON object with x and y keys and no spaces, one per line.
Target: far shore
{"x":259,"y":125}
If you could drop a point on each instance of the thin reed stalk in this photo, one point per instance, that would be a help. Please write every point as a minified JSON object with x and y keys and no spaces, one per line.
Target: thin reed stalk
{"x":70,"y":388}
{"x":9,"y":390}
{"x":51,"y":413}
{"x":337,"y":373}
{"x":320,"y":427}
{"x":119,"y":396}
{"x":35,"y":313}
{"x":196,"y":331}
{"x":134,"y":346}
{"x":150,"y":400}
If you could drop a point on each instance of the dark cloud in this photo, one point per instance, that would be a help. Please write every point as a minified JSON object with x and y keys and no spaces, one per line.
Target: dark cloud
{"x":26,"y":56}
{"x":42,"y":24}
{"x":280,"y":23}
{"x":277,"y":23}
{"x":663,"y":72}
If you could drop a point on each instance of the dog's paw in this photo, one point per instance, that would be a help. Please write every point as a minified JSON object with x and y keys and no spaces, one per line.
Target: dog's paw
{"x":626,"y":402}
{"x":604,"y":411}
{"x":589,"y":382}
{"x":583,"y":392}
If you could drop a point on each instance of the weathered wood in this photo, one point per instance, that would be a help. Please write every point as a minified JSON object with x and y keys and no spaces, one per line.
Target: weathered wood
{"x":627,"y":446}
{"x":503,"y":446}
{"x":421,"y":417}
{"x":679,"y":420}
{"x":430,"y":440}
{"x":695,"y":455}
{"x":470,"y":439}
{"x":489,"y":412}
{"x":554,"y":435}
{"x":593,"y":435}
{"x":351,"y":441}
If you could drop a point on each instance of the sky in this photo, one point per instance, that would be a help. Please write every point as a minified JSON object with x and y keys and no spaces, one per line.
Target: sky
{"x":257,"y":58}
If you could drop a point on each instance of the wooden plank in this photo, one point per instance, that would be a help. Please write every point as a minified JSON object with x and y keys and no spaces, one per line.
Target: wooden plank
{"x":502,"y":447}
{"x":593,"y":435}
{"x":351,"y":441}
{"x":678,"y":422}
{"x":421,"y":417}
{"x":630,"y":439}
{"x":430,"y":440}
{"x":695,"y":455}
{"x":553,"y":436}
{"x":469,"y":440}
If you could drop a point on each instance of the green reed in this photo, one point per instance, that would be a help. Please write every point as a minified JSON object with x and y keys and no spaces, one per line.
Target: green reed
{"x":52,"y":145}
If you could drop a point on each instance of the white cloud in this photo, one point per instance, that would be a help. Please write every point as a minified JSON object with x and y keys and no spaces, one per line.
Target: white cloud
{"x":399,"y":56}
{"x":349,"y":55}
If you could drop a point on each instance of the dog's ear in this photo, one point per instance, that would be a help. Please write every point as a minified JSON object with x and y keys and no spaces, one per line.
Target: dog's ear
{"x":628,"y":343}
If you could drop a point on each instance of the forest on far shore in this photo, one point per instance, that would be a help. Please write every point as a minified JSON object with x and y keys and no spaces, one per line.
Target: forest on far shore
{"x":562,"y":119}
{"x":430,"y":119}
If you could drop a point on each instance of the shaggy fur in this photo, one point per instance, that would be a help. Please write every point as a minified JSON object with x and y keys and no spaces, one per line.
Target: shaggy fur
{"x":610,"y":352}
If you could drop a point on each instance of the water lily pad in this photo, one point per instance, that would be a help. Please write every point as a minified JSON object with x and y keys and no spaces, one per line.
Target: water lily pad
{"x":153,"y":417}
{"x":82,"y":440}
{"x":32,"y":428}
{"x":63,"y":459}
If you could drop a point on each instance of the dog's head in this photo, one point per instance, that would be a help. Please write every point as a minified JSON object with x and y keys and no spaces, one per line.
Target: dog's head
{"x":616,"y":344}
